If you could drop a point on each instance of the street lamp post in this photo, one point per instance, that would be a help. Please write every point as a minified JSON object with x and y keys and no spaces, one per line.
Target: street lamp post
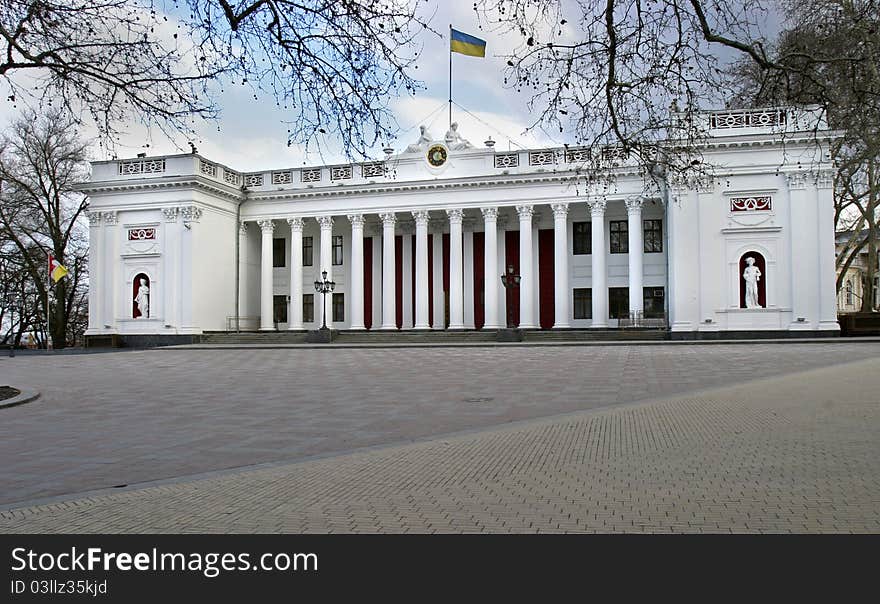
{"x":510,"y":280}
{"x":323,"y":287}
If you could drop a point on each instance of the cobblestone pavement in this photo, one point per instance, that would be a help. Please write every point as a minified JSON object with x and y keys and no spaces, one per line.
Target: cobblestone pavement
{"x":132,"y":417}
{"x":797,"y":453}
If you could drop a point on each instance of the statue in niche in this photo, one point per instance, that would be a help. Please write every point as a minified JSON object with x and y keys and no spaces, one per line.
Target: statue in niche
{"x":752,"y":274}
{"x":142,"y":299}
{"x":423,"y":142}
{"x":454,"y":140}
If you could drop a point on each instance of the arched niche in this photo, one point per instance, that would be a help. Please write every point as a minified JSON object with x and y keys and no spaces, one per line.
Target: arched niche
{"x":761,"y":265}
{"x":139,"y":298}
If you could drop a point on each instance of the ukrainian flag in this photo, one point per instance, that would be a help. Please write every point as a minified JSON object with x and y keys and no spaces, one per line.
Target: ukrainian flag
{"x":465,"y":44}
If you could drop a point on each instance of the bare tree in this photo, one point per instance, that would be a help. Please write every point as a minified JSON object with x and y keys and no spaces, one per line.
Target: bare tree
{"x":41,"y":158}
{"x":332,"y":64}
{"x":617,"y":72}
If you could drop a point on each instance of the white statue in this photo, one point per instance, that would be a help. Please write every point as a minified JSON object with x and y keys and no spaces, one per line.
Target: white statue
{"x":454,"y":140}
{"x":143,"y":299}
{"x":423,"y":142}
{"x":752,"y":274}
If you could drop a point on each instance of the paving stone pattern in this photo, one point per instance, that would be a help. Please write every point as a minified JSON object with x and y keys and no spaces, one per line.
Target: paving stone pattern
{"x":131,"y":417}
{"x":796,"y":453}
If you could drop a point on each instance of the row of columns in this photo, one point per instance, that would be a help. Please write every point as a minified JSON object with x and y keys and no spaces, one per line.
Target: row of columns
{"x":528,"y":319}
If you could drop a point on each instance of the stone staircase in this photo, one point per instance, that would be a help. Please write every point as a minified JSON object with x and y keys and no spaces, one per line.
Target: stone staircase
{"x":595,"y":335}
{"x":414,"y":337}
{"x":254,"y":337}
{"x":435,"y":337}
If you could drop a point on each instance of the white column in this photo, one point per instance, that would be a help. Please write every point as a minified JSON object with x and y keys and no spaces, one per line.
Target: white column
{"x":407,"y":320}
{"x":526,"y":269}
{"x":636,"y":251}
{"x":439,"y":300}
{"x":295,"y":313}
{"x":357,"y":271}
{"x":490,"y":257}
{"x":388,"y":290}
{"x":421,"y":267}
{"x":243,"y":281}
{"x":111,"y":272}
{"x":266,"y":288}
{"x":95,"y":285}
{"x":599,"y":282}
{"x":325,"y":302}
{"x":456,"y":291}
{"x":562,"y":293}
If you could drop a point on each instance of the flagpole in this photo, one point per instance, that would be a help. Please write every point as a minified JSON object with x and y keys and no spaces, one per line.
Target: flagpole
{"x":48,"y":309}
{"x":450,"y":75}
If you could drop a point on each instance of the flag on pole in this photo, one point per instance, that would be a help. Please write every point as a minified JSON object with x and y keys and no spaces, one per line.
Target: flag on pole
{"x":465,"y":44}
{"x":56,"y":270}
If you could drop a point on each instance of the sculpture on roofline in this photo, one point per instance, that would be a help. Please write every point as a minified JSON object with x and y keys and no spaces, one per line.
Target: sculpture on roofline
{"x":454,"y":140}
{"x":422,"y":143}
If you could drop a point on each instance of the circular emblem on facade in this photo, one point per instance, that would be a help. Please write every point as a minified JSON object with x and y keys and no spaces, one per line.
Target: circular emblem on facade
{"x":437,"y":155}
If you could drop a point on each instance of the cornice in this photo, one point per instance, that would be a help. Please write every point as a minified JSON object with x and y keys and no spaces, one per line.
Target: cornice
{"x":182,"y":182}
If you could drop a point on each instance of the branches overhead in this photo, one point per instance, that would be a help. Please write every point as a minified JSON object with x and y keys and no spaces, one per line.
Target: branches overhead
{"x":331,"y":65}
{"x":615,"y":72}
{"x":107,"y":59}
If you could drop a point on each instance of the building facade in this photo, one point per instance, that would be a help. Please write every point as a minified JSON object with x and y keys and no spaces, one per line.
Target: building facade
{"x":854,"y":287}
{"x":181,"y":245}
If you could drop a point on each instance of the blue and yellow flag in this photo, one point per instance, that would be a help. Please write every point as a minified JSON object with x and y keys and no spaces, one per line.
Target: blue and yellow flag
{"x":465,"y":44}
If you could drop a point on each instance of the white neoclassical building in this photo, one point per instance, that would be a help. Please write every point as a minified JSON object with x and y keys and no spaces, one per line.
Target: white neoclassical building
{"x":420,"y":240}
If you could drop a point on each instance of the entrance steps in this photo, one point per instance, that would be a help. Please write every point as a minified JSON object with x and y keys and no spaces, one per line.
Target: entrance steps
{"x":465,"y":336}
{"x":254,"y":337}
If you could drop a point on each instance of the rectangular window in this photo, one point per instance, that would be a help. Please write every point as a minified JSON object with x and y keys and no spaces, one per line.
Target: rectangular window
{"x":619,"y":239}
{"x":618,"y":302}
{"x":279,"y":308}
{"x":583,"y":302}
{"x":308,"y":308}
{"x":653,"y":236}
{"x":278,"y":252}
{"x":339,"y":307}
{"x":337,"y":250}
{"x":307,"y":251}
{"x":653,"y":298}
{"x":582,"y":240}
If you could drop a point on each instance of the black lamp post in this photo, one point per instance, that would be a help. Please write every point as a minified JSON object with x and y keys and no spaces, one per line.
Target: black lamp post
{"x":323,"y":287}
{"x":510,"y":280}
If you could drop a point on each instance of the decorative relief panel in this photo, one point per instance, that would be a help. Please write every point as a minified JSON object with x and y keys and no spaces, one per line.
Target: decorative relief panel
{"x":577,"y":156}
{"x":141,"y":166}
{"x":231,"y":177}
{"x":282,"y":178}
{"x":140,"y":240}
{"x":747,"y":119}
{"x":751,"y":204}
{"x":142,"y":234}
{"x":311,"y":175}
{"x":373,"y":170}
{"x":506,"y":160}
{"x":208,"y":169}
{"x":340,"y":173}
{"x":253,"y":180}
{"x":542,"y":158}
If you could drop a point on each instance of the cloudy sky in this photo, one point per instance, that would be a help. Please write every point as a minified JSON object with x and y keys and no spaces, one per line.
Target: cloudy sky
{"x":251,"y":135}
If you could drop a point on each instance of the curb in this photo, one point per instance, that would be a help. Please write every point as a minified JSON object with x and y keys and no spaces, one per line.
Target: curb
{"x":25,"y":396}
